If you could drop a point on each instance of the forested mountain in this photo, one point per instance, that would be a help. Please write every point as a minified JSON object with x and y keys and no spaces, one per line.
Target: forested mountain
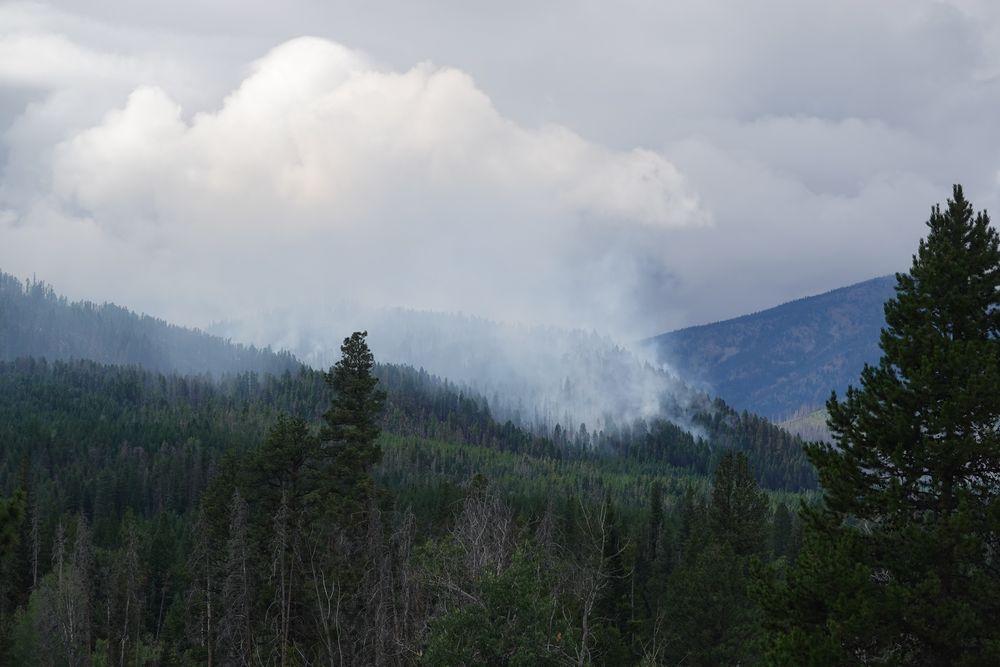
{"x":35,"y":321}
{"x":787,"y":359}
{"x":687,"y":430}
{"x":62,"y":415}
{"x":152,"y":517}
{"x":131,"y":456}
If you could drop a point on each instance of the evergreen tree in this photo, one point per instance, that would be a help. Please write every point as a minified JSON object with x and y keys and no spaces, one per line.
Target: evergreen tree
{"x":13,"y":515}
{"x":899,"y":564}
{"x":350,"y":434}
{"x":513,"y":622}
{"x":345,"y":495}
{"x":655,"y":517}
{"x":737,"y":512}
{"x":235,"y":622}
{"x":713,"y":619}
{"x":781,"y":531}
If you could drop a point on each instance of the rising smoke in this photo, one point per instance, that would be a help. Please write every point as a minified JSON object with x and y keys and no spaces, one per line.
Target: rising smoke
{"x":537,"y":376}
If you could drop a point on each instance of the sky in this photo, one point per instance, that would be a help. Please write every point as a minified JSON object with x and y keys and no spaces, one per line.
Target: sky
{"x":629,"y":167}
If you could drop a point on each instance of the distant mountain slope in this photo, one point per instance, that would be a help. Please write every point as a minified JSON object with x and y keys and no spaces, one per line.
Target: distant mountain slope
{"x":785,"y":359}
{"x":809,"y":426}
{"x":36,"y":322}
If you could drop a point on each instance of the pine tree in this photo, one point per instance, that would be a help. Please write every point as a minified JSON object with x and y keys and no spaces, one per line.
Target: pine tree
{"x":655,"y":517}
{"x":781,"y":531}
{"x":344,"y":495}
{"x":899,"y":564}
{"x":235,"y":635}
{"x":350,"y":434}
{"x":712,"y":618}
{"x":13,"y":515}
{"x":737,"y":512}
{"x":283,"y":500}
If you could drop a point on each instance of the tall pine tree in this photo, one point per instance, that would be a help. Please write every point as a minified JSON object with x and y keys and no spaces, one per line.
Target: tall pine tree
{"x":349,"y":448}
{"x":900,"y":564}
{"x":348,"y":451}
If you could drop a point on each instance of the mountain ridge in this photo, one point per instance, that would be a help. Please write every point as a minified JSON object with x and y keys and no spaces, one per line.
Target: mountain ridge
{"x":786,"y":359}
{"x":36,"y":321}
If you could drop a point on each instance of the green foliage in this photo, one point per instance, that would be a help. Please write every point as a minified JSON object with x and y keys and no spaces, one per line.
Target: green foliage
{"x":509,"y":622}
{"x":737,"y":512}
{"x":713,"y":619}
{"x":23,"y":643}
{"x":899,"y":565}
{"x":782,"y":537}
{"x":349,"y":438}
{"x":224,"y":516}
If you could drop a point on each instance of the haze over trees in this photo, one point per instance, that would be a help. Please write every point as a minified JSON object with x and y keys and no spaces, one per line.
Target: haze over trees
{"x":36,"y":322}
{"x":207,"y":535}
{"x":376,"y":514}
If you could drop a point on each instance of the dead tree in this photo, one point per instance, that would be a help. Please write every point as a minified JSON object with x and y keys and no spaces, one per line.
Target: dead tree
{"x":235,"y":623}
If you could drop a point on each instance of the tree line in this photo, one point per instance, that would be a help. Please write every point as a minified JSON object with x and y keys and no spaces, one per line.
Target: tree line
{"x":224,"y":497}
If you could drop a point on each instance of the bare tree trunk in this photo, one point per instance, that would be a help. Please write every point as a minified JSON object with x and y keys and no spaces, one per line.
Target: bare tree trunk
{"x":281,"y":577}
{"x":592,"y":572}
{"x":209,"y":640}
{"x":130,"y":573}
{"x":328,"y":597}
{"x":234,"y":631}
{"x":65,"y":600}
{"x":200,"y":596}
{"x":83,"y":566}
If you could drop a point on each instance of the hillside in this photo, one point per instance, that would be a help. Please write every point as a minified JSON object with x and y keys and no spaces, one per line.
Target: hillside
{"x":157,"y":479}
{"x":537,"y":375}
{"x":809,"y":426}
{"x":787,"y":359}
{"x":688,"y":432}
{"x":36,"y":322}
{"x":145,"y":470}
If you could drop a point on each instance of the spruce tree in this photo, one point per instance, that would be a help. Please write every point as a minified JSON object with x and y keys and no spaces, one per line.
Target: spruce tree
{"x":737,"y":513}
{"x":349,"y":437}
{"x":346,"y":492}
{"x":781,"y":531}
{"x":712,"y":618}
{"x":900,"y":562}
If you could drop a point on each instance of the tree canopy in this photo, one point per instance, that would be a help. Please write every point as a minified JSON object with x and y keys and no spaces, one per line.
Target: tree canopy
{"x":899,"y":564}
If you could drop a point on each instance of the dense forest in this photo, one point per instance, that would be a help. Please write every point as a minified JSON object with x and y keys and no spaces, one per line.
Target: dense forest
{"x":376,"y":514}
{"x":133,"y":458}
{"x":113,"y":471}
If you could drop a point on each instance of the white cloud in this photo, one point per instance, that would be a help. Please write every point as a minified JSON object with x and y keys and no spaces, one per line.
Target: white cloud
{"x":409,"y":182}
{"x":317,"y":131}
{"x":561,"y":167}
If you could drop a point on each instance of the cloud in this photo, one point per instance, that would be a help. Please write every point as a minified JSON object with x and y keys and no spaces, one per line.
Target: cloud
{"x":318,"y":132}
{"x":562,"y":166}
{"x":322,"y":171}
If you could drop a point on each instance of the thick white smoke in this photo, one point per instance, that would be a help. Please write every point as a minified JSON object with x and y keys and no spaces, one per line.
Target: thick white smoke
{"x":538,"y":376}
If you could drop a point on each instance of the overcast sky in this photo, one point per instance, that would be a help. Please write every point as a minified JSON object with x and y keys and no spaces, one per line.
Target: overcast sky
{"x":627,"y":166}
